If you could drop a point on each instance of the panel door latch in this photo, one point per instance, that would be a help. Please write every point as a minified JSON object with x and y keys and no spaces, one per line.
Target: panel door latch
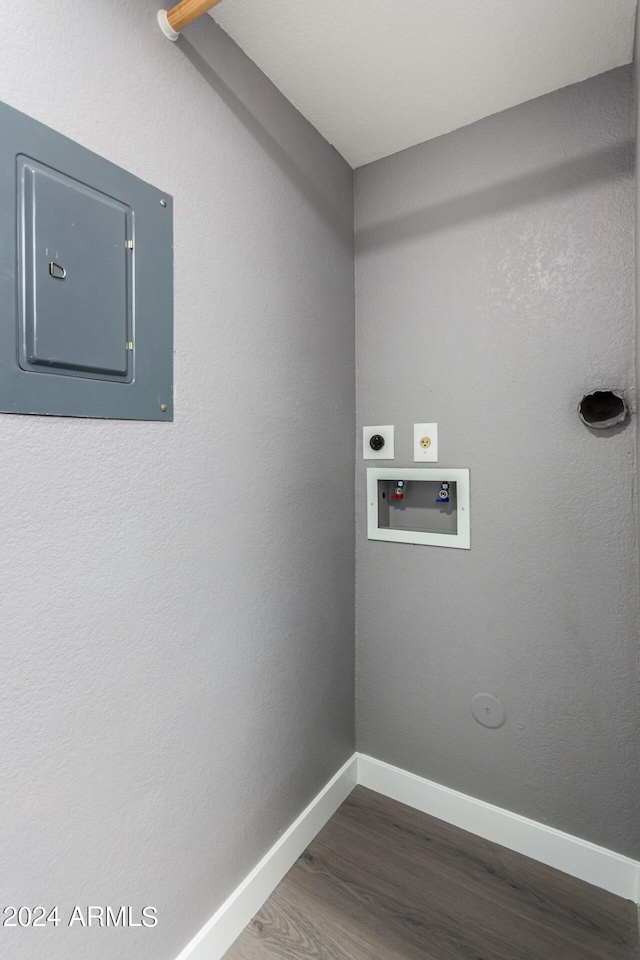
{"x":56,"y":271}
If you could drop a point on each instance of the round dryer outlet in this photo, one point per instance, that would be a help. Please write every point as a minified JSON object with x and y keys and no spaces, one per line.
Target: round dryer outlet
{"x":488,"y":710}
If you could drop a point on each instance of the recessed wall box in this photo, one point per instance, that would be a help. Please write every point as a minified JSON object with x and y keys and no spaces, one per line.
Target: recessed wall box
{"x":422,"y":515}
{"x":86,"y":286}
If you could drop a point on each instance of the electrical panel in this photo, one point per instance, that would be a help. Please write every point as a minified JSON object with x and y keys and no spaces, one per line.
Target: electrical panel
{"x":86,"y":284}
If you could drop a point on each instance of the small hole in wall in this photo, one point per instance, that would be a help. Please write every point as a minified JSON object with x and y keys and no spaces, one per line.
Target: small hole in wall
{"x":602,"y":409}
{"x":383,"y":494}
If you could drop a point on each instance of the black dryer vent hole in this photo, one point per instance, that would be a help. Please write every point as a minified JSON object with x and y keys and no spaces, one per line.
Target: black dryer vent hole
{"x":602,"y":408}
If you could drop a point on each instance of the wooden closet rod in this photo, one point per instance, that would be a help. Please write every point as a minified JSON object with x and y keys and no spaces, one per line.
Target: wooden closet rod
{"x":177,"y":18}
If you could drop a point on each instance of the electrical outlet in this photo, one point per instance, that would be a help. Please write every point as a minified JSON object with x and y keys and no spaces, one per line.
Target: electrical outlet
{"x":425,"y":442}
{"x":377,"y":443}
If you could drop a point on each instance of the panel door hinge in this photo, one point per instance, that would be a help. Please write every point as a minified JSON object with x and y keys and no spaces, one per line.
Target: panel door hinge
{"x":129,"y":244}
{"x":129,"y":345}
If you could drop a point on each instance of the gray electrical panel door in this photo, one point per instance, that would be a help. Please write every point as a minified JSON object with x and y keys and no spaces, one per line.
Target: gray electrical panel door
{"x":76,"y":276}
{"x":86,"y":312}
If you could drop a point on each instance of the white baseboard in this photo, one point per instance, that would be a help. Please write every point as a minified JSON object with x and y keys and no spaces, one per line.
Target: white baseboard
{"x":579,"y":858}
{"x":228,"y":922}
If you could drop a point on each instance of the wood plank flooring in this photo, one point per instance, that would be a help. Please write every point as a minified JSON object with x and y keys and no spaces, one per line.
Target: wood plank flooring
{"x":384,"y":882}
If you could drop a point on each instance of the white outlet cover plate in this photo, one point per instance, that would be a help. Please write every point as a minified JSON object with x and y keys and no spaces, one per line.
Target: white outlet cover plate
{"x":425,"y":454}
{"x":387,"y":452}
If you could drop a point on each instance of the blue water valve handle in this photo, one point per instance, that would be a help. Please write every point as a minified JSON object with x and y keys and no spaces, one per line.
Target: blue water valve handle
{"x":443,"y":493}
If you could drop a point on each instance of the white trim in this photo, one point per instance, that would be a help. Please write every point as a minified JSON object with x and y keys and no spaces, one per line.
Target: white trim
{"x":460,"y":477}
{"x":228,"y":922}
{"x":579,"y":858}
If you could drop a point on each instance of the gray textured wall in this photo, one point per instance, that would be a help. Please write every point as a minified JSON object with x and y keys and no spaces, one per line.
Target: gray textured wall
{"x":494,"y":286}
{"x":176,"y":611}
{"x":636,"y":79}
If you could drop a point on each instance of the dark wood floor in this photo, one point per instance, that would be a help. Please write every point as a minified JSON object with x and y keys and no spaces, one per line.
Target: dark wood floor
{"x":384,"y":882}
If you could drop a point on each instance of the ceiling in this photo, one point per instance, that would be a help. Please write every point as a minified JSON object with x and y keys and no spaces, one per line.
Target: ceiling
{"x":376,"y":76}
